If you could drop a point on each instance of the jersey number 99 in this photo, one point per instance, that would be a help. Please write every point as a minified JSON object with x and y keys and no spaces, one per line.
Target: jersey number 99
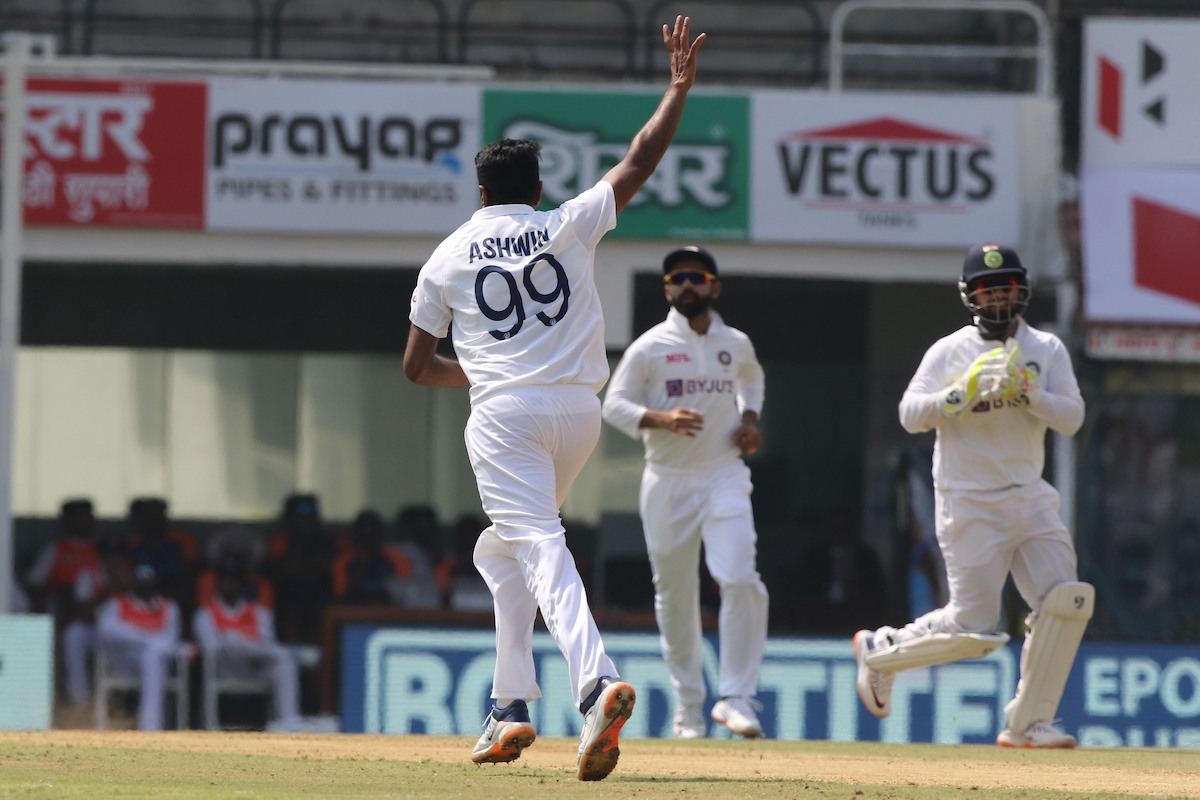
{"x":515,"y":302}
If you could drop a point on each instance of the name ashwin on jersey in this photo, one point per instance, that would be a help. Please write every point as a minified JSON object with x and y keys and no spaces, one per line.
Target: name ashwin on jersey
{"x":509,"y":246}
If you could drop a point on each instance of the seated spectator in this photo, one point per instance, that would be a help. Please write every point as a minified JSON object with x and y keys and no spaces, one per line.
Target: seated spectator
{"x":139,"y":632}
{"x":244,"y":546}
{"x":840,"y":585}
{"x":463,"y":588}
{"x":52,"y":577}
{"x":420,"y":542}
{"x":366,"y":573}
{"x":299,"y":563}
{"x":170,"y":550}
{"x":92,"y":590}
{"x":241,"y":635}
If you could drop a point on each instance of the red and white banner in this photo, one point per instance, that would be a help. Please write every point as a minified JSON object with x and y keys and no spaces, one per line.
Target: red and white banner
{"x":1140,"y":104}
{"x":128,"y":153}
{"x":922,"y":171}
{"x":1141,"y":245}
{"x":1143,"y":344}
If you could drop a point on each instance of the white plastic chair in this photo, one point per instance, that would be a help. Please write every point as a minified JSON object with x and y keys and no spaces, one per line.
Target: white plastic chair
{"x":216,"y":685}
{"x":109,"y":680}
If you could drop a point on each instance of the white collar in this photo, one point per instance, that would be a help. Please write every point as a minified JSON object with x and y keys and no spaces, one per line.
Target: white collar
{"x":680,"y":323}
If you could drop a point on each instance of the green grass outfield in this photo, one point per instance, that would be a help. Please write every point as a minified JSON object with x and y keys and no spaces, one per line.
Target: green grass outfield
{"x":197,"y":765}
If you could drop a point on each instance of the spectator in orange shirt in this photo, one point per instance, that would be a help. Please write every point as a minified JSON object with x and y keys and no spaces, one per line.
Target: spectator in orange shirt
{"x":241,"y":635}
{"x":170,"y":550}
{"x":242,"y":545}
{"x":299,"y":563}
{"x":92,"y":589}
{"x":367,"y":573}
{"x":139,"y":632}
{"x":52,"y":577}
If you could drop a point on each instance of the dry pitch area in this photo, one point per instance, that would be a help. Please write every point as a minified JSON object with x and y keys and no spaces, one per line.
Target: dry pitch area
{"x":78,"y":764}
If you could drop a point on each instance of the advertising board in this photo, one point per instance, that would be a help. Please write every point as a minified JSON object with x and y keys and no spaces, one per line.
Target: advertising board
{"x":423,"y":680}
{"x":124,"y":153}
{"x":700,"y":187}
{"x":1140,"y":106}
{"x":915,"y":170}
{"x":341,"y":156}
{"x":1141,"y":245}
{"x":26,"y":672}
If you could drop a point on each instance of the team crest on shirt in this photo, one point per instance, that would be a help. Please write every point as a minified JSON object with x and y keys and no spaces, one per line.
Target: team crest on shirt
{"x":1034,"y":367}
{"x":724,"y":357}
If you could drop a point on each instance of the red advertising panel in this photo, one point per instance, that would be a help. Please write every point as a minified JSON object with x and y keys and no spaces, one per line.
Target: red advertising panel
{"x":127,"y":153}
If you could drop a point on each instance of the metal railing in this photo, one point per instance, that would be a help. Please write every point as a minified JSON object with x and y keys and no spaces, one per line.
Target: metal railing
{"x":653,"y":20}
{"x":520,"y":37}
{"x":276,"y":25}
{"x":253,"y":33}
{"x":1042,"y":52}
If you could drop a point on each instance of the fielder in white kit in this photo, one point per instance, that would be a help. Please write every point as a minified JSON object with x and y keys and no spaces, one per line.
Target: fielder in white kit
{"x":990,"y":390}
{"x":517,"y":284}
{"x":691,"y":387}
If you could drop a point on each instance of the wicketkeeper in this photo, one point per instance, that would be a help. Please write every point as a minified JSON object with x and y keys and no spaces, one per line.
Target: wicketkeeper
{"x":990,"y":390}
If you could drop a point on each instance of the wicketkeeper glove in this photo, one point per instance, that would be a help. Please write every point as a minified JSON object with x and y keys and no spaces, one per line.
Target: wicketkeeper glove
{"x":982,"y":374}
{"x":1000,"y":378}
{"x":1029,"y":387}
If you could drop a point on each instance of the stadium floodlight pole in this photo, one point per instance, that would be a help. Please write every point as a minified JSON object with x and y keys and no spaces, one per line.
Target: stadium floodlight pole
{"x":17,"y":48}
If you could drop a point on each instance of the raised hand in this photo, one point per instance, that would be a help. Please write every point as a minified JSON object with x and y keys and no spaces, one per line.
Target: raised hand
{"x":683,"y":55}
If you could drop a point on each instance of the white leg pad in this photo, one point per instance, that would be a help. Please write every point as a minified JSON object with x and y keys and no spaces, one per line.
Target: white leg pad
{"x":1053,"y":642}
{"x":934,"y":648}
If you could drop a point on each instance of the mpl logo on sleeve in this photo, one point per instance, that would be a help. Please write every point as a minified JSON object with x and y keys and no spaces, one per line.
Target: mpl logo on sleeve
{"x":343,"y":157}
{"x":925,"y":171}
{"x":114,"y":153}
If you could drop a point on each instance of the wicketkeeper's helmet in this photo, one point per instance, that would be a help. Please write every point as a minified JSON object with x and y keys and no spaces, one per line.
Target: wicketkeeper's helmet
{"x":990,"y":266}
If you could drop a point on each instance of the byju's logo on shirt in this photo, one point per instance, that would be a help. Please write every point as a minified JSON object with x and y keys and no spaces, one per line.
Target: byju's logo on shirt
{"x":678,"y":387}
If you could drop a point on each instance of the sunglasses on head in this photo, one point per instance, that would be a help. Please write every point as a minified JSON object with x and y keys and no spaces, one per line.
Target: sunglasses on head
{"x":681,"y":276}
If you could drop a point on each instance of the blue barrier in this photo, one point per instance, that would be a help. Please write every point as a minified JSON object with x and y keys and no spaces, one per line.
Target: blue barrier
{"x":423,"y":680}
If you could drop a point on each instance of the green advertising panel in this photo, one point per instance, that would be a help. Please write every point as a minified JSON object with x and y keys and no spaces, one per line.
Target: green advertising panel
{"x":700,"y":189}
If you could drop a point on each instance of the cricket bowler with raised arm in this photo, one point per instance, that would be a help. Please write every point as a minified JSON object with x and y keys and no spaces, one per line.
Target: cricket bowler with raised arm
{"x":990,"y":390}
{"x":518,"y":286}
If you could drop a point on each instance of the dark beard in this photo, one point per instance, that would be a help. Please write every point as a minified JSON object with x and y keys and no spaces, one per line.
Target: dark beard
{"x":692,"y":306}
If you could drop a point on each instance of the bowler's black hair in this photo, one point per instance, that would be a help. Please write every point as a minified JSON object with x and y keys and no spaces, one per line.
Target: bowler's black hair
{"x":508,"y":169}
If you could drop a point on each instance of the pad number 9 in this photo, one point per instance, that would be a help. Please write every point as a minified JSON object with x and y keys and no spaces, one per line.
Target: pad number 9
{"x":515,"y":303}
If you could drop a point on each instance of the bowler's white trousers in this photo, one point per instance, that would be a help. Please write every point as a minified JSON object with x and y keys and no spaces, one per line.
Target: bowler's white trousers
{"x":680,"y":509}
{"x":526,"y":446}
{"x":984,"y":536}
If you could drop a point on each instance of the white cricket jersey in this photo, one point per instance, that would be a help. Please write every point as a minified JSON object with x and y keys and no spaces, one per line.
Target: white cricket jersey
{"x":517,"y":285}
{"x":995,"y":444}
{"x":670,"y":366}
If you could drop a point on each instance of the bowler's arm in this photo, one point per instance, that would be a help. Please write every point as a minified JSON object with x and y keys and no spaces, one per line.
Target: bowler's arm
{"x":423,"y":365}
{"x":652,"y":141}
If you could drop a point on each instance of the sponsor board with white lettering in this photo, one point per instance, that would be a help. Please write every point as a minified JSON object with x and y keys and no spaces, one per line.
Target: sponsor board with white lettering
{"x":699,"y":189}
{"x":122,"y":153}
{"x":421,"y":680}
{"x":328,"y":156}
{"x":909,"y":170}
